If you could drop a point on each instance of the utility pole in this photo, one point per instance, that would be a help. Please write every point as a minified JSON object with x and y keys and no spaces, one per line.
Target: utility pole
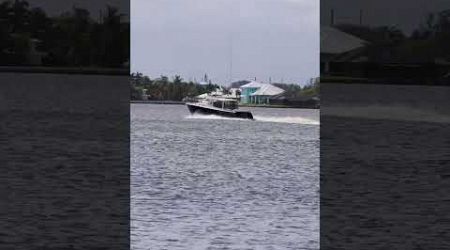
{"x":360,"y":17}
{"x":332,"y":17}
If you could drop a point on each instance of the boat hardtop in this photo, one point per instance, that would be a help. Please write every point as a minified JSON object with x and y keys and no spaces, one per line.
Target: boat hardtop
{"x":217,"y":105}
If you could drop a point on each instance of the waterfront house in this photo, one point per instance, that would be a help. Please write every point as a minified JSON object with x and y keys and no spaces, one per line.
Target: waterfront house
{"x":338,"y":47}
{"x":259,"y":93}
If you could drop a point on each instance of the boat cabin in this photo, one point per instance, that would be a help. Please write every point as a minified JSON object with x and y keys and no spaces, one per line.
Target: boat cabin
{"x":224,"y":103}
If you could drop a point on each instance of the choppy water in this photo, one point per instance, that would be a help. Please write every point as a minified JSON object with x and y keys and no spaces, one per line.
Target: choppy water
{"x":217,"y":183}
{"x":384,"y":165}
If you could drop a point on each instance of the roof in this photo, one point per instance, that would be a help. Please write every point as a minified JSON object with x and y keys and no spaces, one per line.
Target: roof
{"x":252,"y":84}
{"x":268,"y":90}
{"x":334,"y":41}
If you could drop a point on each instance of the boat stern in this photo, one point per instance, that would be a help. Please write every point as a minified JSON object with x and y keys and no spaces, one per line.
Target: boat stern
{"x":244,"y":115}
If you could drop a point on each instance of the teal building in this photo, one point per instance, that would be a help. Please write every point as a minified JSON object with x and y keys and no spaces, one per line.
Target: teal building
{"x":259,"y":93}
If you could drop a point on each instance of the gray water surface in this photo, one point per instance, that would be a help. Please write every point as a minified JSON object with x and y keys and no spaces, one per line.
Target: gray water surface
{"x":205,"y":182}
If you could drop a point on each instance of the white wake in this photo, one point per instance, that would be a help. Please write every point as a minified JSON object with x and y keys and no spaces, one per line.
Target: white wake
{"x":258,"y":118}
{"x":287,"y":119}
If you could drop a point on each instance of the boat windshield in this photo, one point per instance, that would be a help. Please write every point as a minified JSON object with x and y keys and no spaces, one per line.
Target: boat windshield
{"x":225,"y":104}
{"x":230,"y":105}
{"x":217,"y":104}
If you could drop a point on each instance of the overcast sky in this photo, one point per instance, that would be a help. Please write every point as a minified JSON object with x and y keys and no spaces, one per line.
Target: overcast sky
{"x":277,"y":39}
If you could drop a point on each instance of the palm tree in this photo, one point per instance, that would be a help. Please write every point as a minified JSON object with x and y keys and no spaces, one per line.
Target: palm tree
{"x":112,"y":41}
{"x":20,"y":15}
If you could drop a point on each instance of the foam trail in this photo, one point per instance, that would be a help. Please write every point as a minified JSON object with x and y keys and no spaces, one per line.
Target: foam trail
{"x":213,"y":117}
{"x":277,"y":119}
{"x":287,"y":119}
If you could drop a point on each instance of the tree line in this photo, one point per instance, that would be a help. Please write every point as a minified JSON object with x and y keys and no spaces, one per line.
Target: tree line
{"x":176,"y":89}
{"x":73,"y":38}
{"x":428,"y":41}
{"x":163,"y":88}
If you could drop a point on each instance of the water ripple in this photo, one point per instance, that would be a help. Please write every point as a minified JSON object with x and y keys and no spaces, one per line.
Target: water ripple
{"x":224,"y":183}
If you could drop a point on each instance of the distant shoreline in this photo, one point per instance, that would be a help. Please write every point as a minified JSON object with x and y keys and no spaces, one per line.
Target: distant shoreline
{"x":241,"y":105}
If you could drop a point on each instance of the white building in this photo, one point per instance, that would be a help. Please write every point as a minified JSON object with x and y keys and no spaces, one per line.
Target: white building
{"x":259,"y":93}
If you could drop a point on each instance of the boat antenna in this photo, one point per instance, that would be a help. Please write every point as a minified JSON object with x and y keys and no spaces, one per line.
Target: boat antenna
{"x":230,"y":68}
